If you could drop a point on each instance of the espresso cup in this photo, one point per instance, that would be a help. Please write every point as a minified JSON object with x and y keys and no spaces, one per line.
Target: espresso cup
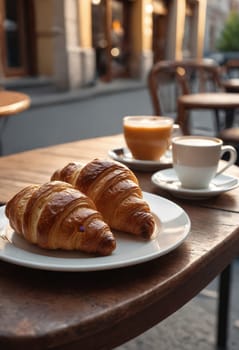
{"x":196,"y":159}
{"x":147,"y":137}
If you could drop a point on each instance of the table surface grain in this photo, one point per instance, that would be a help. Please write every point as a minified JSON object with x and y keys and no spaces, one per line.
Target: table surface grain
{"x":100,"y":310}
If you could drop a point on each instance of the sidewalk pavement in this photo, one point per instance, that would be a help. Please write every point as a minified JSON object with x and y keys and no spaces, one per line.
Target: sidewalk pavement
{"x":44,"y":93}
{"x":101,"y":108}
{"x":193,"y":327}
{"x":59,"y":117}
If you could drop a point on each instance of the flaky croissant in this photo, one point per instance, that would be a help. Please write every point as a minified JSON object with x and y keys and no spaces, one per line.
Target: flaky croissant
{"x":57,"y":216}
{"x":114,"y":189}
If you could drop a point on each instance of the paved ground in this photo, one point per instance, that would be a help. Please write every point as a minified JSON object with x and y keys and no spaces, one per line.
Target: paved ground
{"x":61,"y":117}
{"x":193,"y":326}
{"x":56,"y":118}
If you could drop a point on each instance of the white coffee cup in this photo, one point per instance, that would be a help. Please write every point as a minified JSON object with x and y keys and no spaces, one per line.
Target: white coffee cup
{"x":196,"y":159}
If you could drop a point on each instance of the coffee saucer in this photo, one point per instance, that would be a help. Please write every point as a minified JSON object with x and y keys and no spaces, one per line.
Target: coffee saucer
{"x":124,"y":156}
{"x":167,"y":180}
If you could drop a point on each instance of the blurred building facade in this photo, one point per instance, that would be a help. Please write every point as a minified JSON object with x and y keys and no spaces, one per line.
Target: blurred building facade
{"x":76,"y":42}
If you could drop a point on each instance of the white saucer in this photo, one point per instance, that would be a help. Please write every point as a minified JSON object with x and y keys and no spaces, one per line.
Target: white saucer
{"x":167,"y":180}
{"x":124,"y":156}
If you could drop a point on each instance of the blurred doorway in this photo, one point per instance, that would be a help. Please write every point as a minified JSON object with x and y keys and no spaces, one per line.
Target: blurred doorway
{"x":189,"y":25}
{"x":17,"y":37}
{"x":111,"y":37}
{"x":160,"y":28}
{"x":159,"y":35}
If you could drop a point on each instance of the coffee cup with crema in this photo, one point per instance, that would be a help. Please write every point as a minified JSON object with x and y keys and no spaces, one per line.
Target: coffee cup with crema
{"x":196,"y":159}
{"x":148,"y":137}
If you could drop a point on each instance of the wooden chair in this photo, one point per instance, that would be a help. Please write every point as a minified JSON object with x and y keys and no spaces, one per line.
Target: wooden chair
{"x":162,"y":74}
{"x":11,"y":103}
{"x":230,"y":69}
{"x":230,"y":136}
{"x":230,"y":82}
{"x":199,"y":89}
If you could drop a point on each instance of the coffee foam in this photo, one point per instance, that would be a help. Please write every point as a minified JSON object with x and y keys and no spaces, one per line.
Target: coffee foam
{"x":148,"y":122}
{"x":198,"y":142}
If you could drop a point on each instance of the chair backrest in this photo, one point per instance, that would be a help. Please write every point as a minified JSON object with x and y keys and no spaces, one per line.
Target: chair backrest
{"x":189,"y":76}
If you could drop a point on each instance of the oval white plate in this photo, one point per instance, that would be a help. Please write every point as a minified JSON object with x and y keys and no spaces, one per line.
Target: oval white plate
{"x":172,"y":228}
{"x":167,"y":180}
{"x":124,"y":156}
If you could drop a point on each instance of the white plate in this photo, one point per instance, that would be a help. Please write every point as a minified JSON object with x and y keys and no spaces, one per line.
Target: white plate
{"x":124,"y":156}
{"x":167,"y":180}
{"x":173,"y":230}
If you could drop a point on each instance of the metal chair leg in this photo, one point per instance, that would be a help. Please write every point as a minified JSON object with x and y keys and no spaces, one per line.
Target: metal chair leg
{"x":3,"y":126}
{"x":217,"y":121}
{"x":229,"y":118}
{"x":223,"y":307}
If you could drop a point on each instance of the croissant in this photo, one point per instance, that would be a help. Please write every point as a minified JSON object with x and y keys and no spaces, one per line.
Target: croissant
{"x":57,"y":216}
{"x":115,"y":190}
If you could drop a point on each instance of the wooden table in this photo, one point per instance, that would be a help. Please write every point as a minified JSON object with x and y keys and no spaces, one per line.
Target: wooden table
{"x":215,"y":101}
{"x":11,"y":102}
{"x":230,"y":134}
{"x":95,"y":310}
{"x":231,"y":85}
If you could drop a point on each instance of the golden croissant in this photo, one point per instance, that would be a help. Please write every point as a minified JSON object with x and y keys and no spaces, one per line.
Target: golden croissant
{"x":57,"y":216}
{"x":115,"y":190}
